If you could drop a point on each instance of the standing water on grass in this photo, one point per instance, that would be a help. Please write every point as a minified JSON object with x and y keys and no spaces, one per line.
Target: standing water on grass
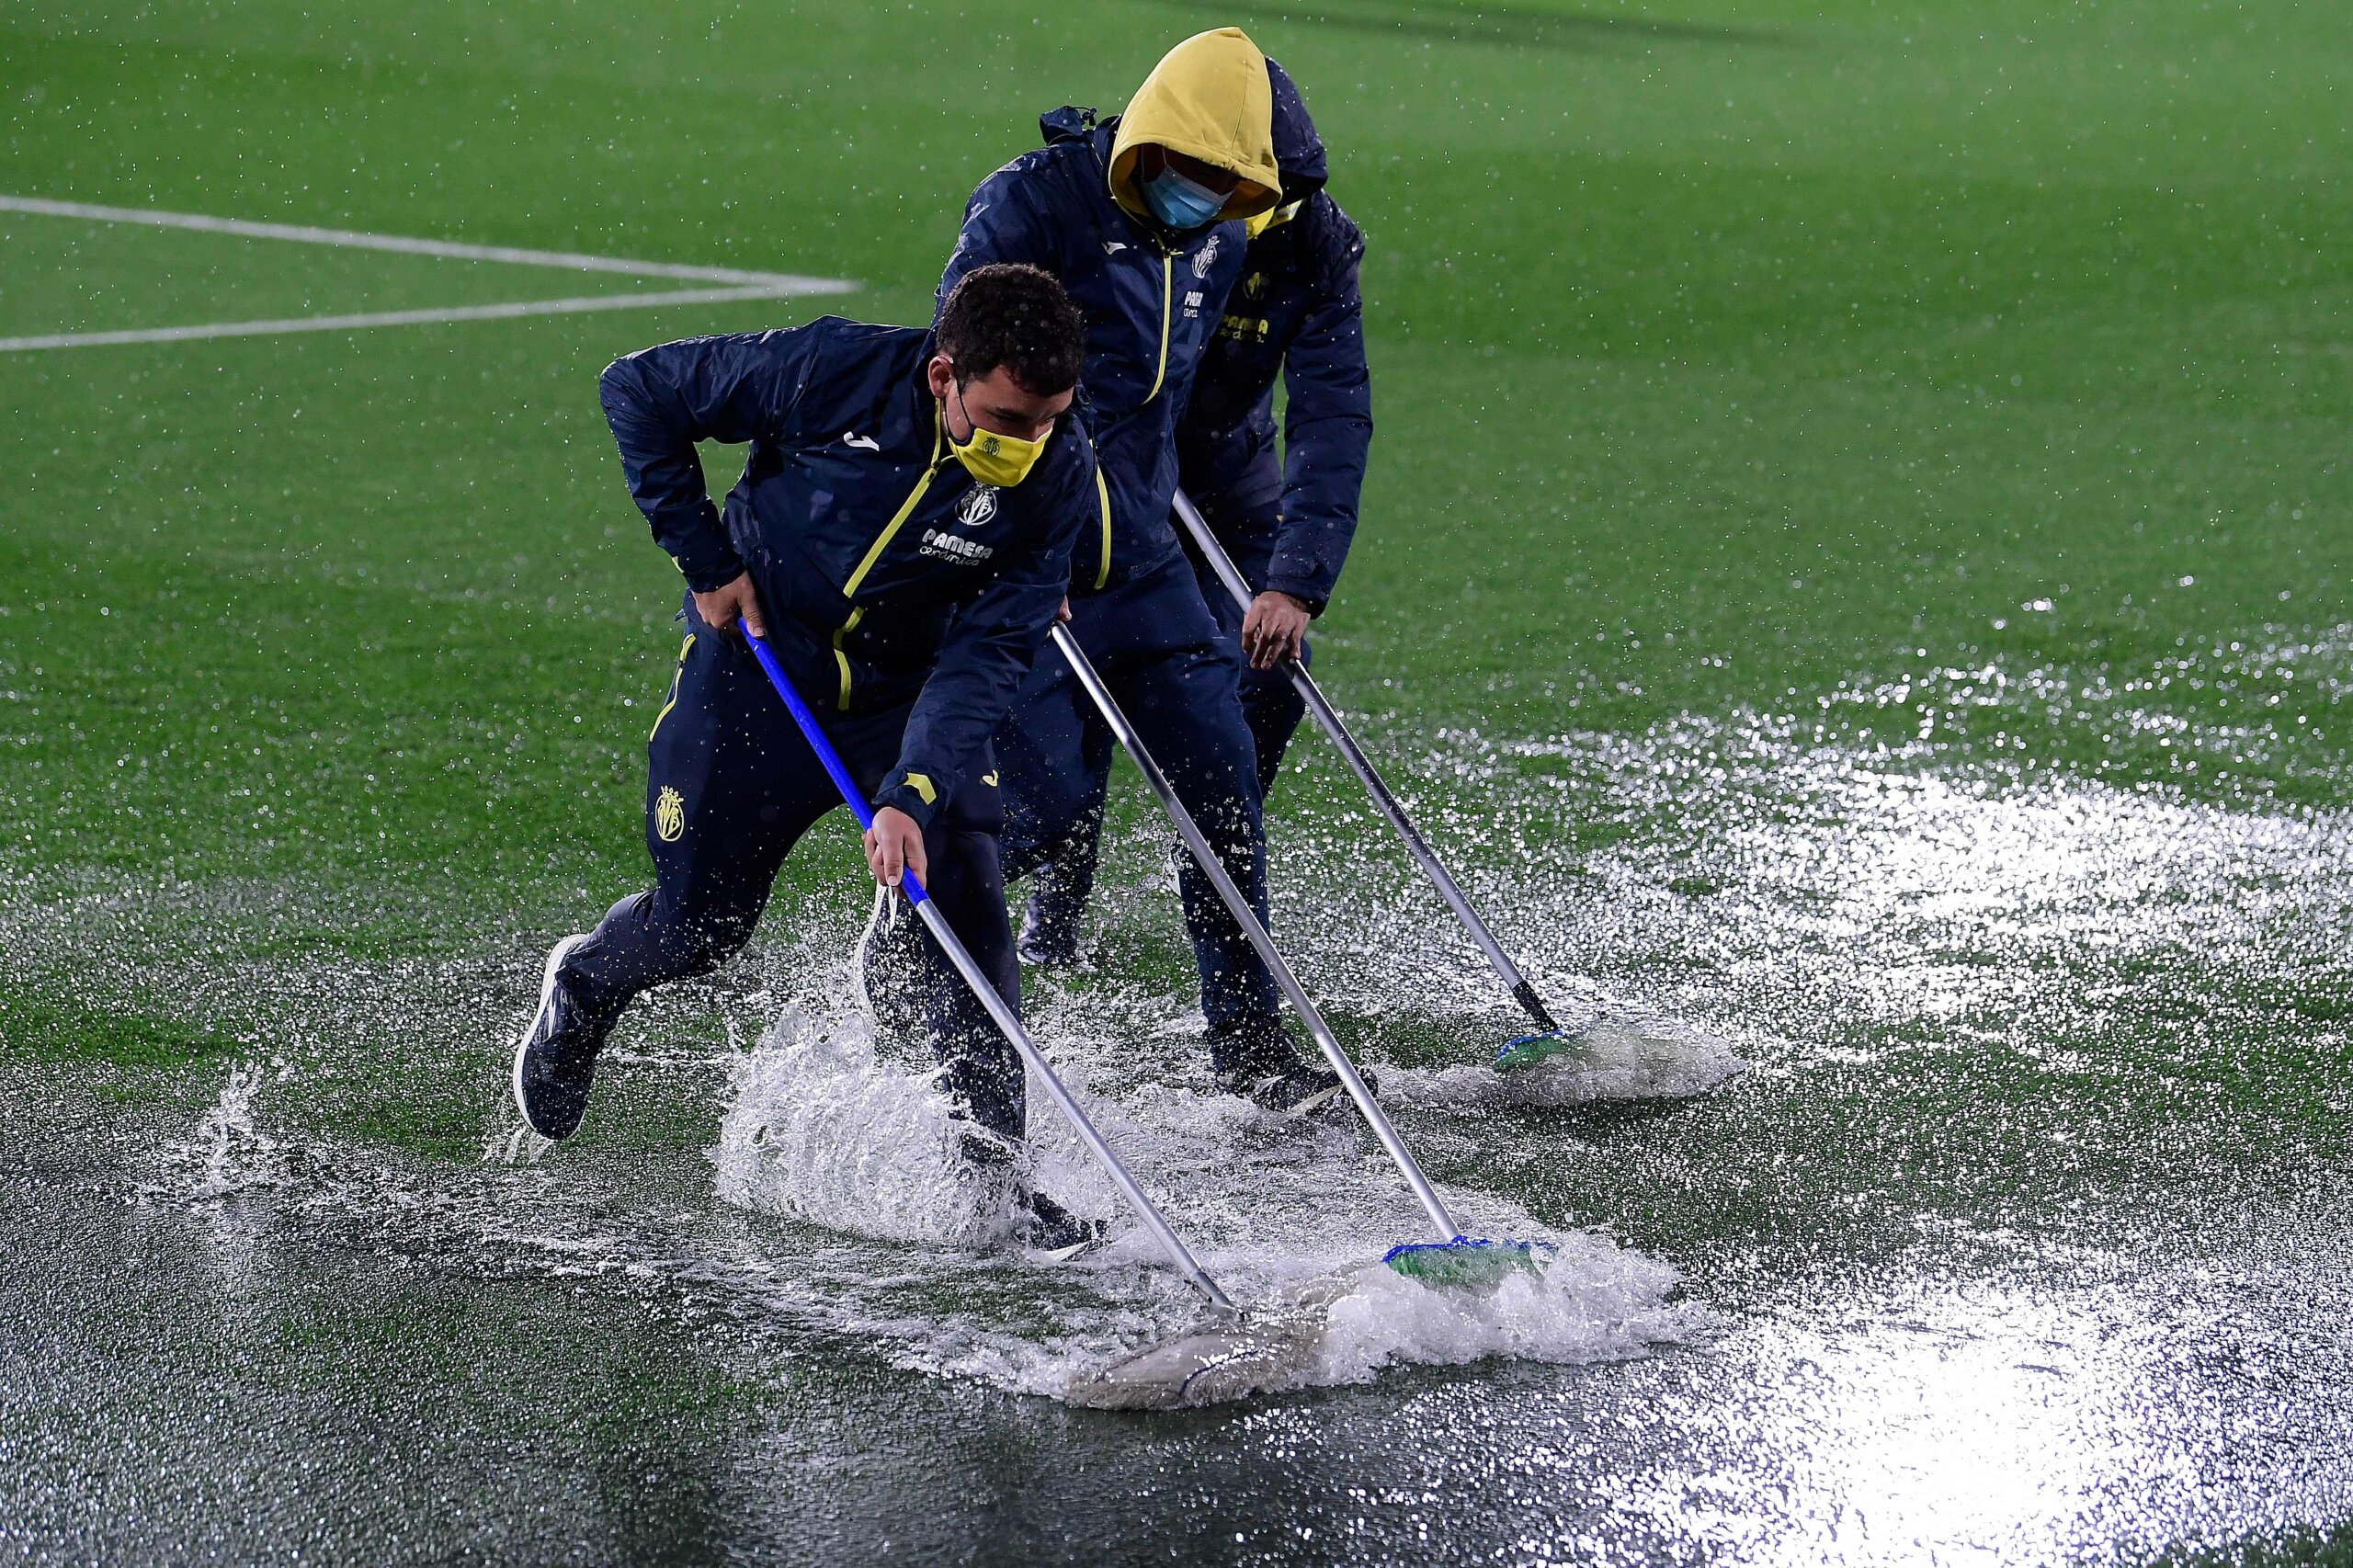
{"x":1285,"y":1216}
{"x":1921,"y":1217}
{"x":1853,"y":576}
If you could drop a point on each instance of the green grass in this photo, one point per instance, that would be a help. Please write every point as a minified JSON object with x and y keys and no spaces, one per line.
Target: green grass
{"x":1759,"y":358}
{"x":1749,"y":374}
{"x":2305,"y":1548}
{"x":58,"y":1024}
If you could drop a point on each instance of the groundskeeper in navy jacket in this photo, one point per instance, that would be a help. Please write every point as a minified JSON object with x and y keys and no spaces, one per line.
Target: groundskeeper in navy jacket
{"x":884,"y":569}
{"x":1151,"y":299}
{"x":1149,"y":266}
{"x":1296,"y":311}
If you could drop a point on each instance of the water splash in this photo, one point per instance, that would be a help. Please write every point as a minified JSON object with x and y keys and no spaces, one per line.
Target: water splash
{"x":1592,"y":1302}
{"x":225,"y":1153}
{"x":1768,"y":899}
{"x":820,"y":1130}
{"x":1620,"y":1054}
{"x":1290,"y":1219}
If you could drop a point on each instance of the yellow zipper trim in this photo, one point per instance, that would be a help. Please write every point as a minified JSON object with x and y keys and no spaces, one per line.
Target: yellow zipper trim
{"x":1103,"y":494}
{"x":882,"y":542}
{"x":1167,"y":292}
{"x":684,"y":648}
{"x":843,"y":659}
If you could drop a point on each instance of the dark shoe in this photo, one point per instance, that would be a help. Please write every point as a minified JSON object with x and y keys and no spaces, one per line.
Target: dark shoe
{"x":555,"y":1061}
{"x":1039,"y":1222}
{"x":1049,"y":922}
{"x":1045,"y":1225}
{"x":890,"y":968}
{"x":1302,"y":1089}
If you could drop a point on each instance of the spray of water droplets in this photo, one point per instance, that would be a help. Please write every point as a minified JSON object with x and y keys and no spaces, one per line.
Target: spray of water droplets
{"x":1289,"y":1217}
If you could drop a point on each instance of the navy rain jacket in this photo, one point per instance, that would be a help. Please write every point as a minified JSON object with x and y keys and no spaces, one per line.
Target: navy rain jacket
{"x":887,"y":573}
{"x":1296,"y":310}
{"x":1150,"y":300}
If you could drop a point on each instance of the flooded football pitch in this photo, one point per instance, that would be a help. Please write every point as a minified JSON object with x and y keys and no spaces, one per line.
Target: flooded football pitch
{"x":1854,"y":575}
{"x":1965,"y":1179}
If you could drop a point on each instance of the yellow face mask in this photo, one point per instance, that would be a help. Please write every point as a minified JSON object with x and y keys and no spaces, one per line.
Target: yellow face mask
{"x":993,"y":458}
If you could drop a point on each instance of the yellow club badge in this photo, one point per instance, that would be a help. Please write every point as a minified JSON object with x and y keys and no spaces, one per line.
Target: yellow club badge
{"x":670,"y":815}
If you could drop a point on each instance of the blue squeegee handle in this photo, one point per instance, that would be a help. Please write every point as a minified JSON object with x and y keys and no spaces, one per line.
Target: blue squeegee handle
{"x":822,"y":744}
{"x":1329,"y":718}
{"x":937,"y":924}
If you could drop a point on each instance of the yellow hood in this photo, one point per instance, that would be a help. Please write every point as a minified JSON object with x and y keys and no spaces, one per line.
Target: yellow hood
{"x":1207,"y":98}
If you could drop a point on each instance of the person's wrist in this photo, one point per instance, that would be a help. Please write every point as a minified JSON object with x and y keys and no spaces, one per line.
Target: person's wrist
{"x":1300,"y":594}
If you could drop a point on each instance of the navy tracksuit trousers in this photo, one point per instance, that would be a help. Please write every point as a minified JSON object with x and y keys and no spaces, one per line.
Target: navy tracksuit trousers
{"x":731,"y":786}
{"x":1175,"y":677}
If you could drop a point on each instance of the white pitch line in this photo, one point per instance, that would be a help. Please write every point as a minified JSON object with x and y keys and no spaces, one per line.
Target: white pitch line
{"x":779,"y":290}
{"x":358,"y":240}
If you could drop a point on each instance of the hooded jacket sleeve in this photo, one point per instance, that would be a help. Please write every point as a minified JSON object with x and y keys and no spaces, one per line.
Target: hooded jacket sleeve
{"x":1328,"y":431}
{"x":661,"y":401}
{"x":989,"y":649}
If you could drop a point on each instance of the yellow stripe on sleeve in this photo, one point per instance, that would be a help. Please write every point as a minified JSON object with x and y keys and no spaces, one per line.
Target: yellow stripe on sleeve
{"x":1103,"y":494}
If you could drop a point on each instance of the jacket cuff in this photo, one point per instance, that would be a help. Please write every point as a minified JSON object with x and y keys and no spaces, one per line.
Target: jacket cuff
{"x":913,"y":793}
{"x":1312,"y":591}
{"x":699,"y":543}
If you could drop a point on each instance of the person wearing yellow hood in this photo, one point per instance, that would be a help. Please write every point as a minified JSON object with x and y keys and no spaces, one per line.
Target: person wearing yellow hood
{"x":1142,"y":217}
{"x":1284,"y":518}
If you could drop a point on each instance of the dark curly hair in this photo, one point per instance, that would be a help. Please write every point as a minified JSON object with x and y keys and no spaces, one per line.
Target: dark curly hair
{"x":1013,"y":314}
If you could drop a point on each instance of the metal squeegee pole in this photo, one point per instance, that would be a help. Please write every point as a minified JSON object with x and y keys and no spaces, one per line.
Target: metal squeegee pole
{"x":937,"y":924}
{"x":1247,"y":918}
{"x":1418,"y":848}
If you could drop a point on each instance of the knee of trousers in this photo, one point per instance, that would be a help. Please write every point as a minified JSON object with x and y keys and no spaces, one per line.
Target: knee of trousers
{"x":699,"y":936}
{"x":1049,"y":810}
{"x":1229,"y":816}
{"x":990,"y":1093}
{"x":648,"y":939}
{"x":1268,"y":697}
{"x":966,"y":869}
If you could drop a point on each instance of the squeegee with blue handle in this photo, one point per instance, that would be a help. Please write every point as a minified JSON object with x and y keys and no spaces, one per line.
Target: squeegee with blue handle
{"x":1179,"y":1255}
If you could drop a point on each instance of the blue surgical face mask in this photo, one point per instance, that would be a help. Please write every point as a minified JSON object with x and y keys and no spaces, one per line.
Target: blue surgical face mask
{"x":1182,"y":203}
